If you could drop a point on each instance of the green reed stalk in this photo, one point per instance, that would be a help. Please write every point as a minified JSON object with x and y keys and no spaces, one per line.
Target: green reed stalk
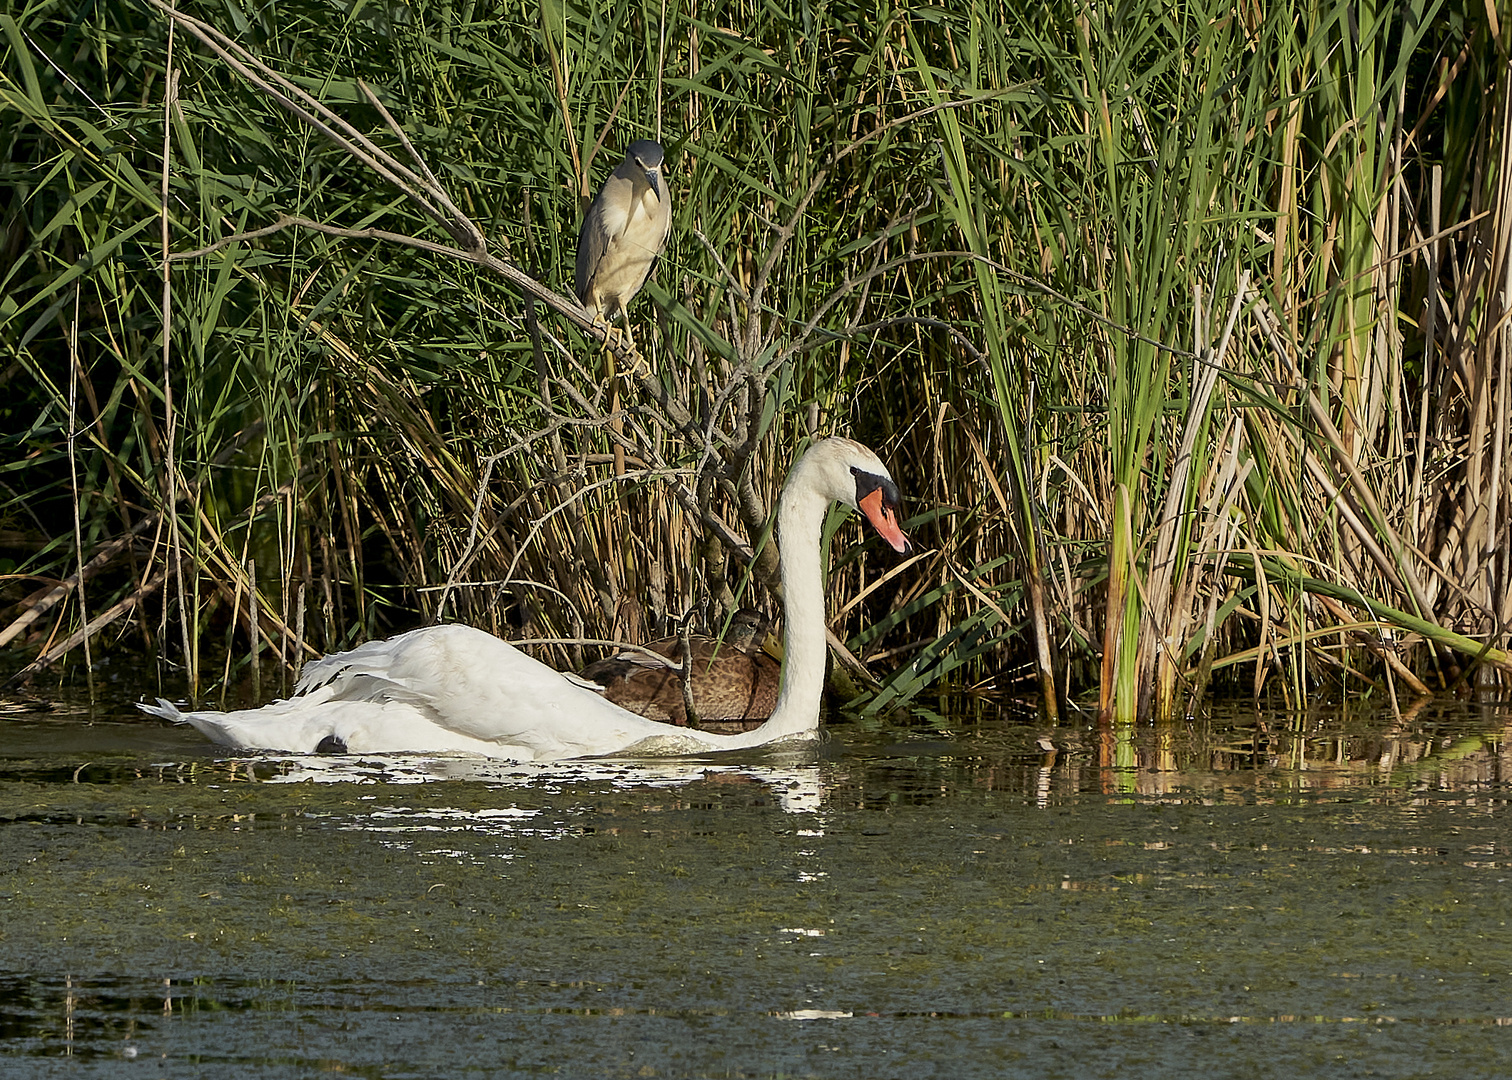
{"x":1010,"y":389}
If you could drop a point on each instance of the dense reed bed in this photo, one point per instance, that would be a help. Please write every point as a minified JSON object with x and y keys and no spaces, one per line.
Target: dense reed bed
{"x":1183,"y":327}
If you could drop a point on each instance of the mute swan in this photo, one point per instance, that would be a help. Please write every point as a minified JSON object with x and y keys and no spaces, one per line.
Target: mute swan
{"x":734,"y":681}
{"x":449,"y":688}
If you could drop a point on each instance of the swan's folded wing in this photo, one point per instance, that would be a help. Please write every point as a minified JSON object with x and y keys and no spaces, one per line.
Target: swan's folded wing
{"x":359,"y":671}
{"x":470,"y":682}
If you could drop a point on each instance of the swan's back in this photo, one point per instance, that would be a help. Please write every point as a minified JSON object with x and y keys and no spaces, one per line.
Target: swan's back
{"x":469,"y":682}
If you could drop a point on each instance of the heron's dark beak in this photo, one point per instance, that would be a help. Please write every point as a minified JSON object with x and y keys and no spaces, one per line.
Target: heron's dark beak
{"x":653,"y":177}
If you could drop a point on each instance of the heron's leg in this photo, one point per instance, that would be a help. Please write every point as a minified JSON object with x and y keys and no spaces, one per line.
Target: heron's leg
{"x":605,"y":322}
{"x":600,"y":321}
{"x":640,"y":366}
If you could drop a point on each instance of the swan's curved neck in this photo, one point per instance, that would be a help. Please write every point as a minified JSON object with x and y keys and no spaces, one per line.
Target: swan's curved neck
{"x":800,"y":524}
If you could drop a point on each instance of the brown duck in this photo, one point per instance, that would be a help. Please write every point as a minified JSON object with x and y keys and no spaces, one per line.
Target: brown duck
{"x":734,"y":683}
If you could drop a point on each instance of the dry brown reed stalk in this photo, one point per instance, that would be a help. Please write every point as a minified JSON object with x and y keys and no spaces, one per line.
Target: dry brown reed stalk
{"x":221,"y":566}
{"x":170,"y":421}
{"x":103,"y":560}
{"x":1178,"y":557}
{"x":41,"y":602}
{"x":55,"y":651}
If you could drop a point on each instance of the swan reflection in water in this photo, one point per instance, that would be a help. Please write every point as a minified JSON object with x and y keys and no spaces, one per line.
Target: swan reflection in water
{"x":799,"y":786}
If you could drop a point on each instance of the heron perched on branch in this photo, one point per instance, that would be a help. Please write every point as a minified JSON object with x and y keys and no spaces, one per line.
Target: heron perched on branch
{"x":621,"y":236}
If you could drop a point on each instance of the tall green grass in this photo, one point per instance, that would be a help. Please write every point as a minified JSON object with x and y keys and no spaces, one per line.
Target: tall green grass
{"x":1180,"y":325}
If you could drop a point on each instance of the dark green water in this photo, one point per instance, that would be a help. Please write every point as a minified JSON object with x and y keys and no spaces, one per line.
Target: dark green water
{"x":1324,"y":896}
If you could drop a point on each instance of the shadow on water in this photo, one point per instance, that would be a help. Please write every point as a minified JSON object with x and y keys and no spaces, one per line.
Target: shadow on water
{"x":1238,"y":895}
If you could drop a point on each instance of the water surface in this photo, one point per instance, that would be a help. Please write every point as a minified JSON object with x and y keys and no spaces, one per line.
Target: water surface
{"x":1325,"y":896}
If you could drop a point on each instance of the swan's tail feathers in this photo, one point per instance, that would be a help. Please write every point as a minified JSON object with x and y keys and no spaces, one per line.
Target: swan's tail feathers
{"x":163,"y":710}
{"x":211,"y":725}
{"x":283,"y":725}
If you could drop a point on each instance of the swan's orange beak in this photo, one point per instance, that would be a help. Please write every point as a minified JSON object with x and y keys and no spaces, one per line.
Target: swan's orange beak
{"x":884,"y":519}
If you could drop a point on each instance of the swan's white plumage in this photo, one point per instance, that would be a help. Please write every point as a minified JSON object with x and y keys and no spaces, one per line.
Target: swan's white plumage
{"x":455,"y":688}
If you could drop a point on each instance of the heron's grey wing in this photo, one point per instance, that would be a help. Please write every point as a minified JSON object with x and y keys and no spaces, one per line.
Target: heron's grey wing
{"x":592,"y":240}
{"x":605,"y":223}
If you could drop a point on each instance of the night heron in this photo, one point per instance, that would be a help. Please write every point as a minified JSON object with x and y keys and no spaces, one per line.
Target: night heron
{"x":624,"y":232}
